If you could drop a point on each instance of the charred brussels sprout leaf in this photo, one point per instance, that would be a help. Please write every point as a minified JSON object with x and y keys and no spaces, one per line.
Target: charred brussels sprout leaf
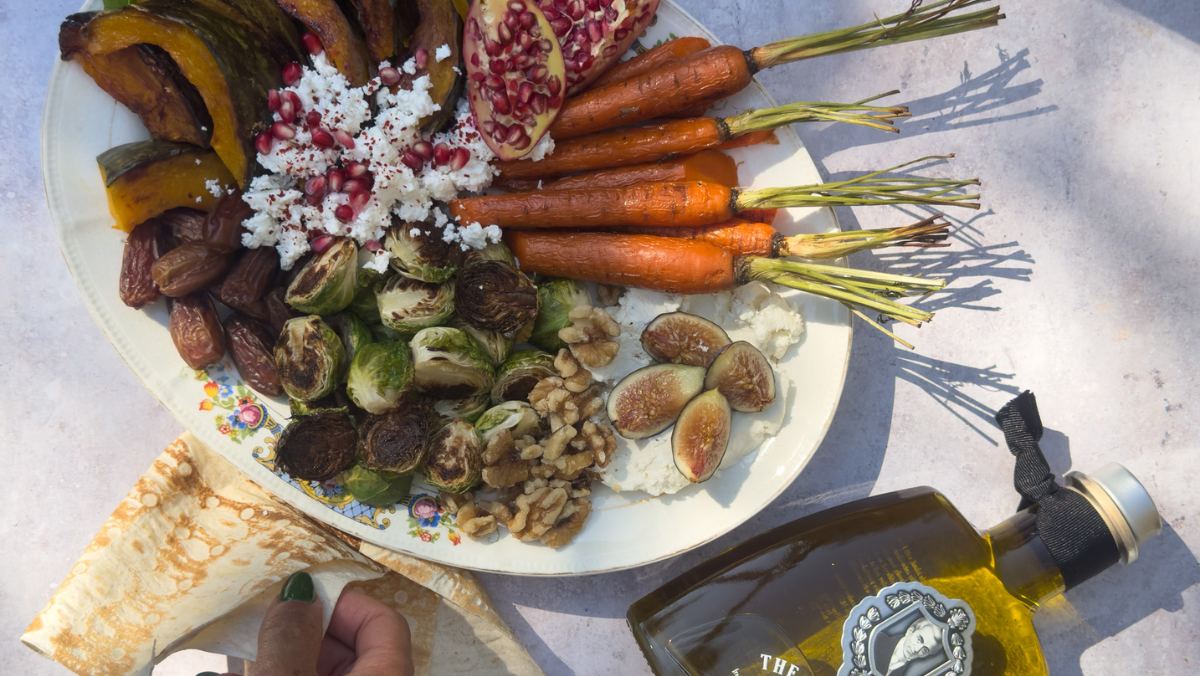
{"x":354,"y":334}
{"x":495,"y":251}
{"x":364,"y":305}
{"x":519,"y":374}
{"x":495,"y":296}
{"x":469,"y":408}
{"x":326,"y":284}
{"x":379,"y":375}
{"x":556,"y":299}
{"x":517,"y":417}
{"x":449,"y":364}
{"x":494,"y":343}
{"x":455,"y":460}
{"x":309,"y":357}
{"x":409,"y":305}
{"x":316,"y":447}
{"x":376,"y":489}
{"x":420,"y":252}
{"x":395,"y":441}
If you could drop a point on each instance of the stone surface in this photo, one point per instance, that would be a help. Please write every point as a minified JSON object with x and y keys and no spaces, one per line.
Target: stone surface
{"x":1077,"y":281}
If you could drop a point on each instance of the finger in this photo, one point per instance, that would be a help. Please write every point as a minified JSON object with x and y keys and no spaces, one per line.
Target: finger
{"x":290,"y":637}
{"x":378,"y":634}
{"x":336,"y":657}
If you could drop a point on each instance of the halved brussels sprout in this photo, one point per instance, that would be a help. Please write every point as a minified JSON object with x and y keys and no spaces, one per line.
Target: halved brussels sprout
{"x":494,"y":343}
{"x":518,"y":375}
{"x":496,"y":251}
{"x":455,"y":460}
{"x":327,"y":282}
{"x":379,"y":375}
{"x":556,"y":299}
{"x":410,"y":305}
{"x":337,"y":401}
{"x":517,"y":417}
{"x":495,"y":296}
{"x":376,"y":489}
{"x":316,"y":447}
{"x":364,"y":305}
{"x":395,"y":441}
{"x":419,"y":251}
{"x":309,"y":356}
{"x":382,"y":333}
{"x":469,"y":408}
{"x":449,"y":364}
{"x":354,"y":333}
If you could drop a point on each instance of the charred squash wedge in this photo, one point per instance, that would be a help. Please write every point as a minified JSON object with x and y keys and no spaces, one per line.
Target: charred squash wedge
{"x":344,"y":46}
{"x":440,"y":25}
{"x":374,"y":17}
{"x":406,"y":16}
{"x":224,"y":61}
{"x":144,"y":179}
{"x":144,"y":79}
{"x":279,"y":27}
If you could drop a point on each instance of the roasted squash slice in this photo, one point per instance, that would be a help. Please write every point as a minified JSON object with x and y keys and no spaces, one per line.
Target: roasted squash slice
{"x":344,"y":45}
{"x":223,"y":59}
{"x":144,"y":79}
{"x":278,"y":26}
{"x":144,"y":179}
{"x":440,"y":25}
{"x":374,"y":17}
{"x":406,"y":16}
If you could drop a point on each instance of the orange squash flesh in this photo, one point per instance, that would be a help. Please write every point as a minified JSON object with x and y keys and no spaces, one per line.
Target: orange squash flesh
{"x":150,"y":189}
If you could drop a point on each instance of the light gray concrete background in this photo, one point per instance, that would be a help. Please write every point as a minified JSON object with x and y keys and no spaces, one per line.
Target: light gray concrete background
{"x":1078,"y":280}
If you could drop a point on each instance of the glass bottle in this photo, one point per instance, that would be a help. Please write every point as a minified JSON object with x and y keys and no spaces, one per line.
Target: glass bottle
{"x":892,"y":585}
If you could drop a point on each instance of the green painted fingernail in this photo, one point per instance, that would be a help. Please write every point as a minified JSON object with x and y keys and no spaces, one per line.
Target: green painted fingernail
{"x":208,"y":673}
{"x":299,"y":587}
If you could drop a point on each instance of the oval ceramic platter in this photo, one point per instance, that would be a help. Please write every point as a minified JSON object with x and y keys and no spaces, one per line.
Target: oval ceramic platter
{"x":625,"y":530}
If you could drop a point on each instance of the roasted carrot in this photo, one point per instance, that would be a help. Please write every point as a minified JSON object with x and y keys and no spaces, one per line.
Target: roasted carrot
{"x":759,"y":215}
{"x":707,"y":165}
{"x":697,"y":203}
{"x":671,"y":50}
{"x":720,"y":71}
{"x":653,"y":142}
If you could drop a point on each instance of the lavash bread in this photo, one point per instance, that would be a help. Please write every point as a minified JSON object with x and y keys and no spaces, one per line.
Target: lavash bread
{"x":195,"y":552}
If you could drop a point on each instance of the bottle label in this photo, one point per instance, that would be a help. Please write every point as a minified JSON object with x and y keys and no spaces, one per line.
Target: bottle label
{"x":908,"y":629}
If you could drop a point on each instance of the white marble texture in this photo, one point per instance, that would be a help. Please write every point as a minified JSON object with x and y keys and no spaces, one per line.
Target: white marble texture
{"x":1077,"y":281}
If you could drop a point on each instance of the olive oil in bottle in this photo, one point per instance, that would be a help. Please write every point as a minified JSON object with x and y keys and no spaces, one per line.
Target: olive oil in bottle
{"x":899,"y":584}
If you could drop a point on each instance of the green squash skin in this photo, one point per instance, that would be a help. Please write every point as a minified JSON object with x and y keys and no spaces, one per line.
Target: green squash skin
{"x":277,"y":25}
{"x":118,"y":161}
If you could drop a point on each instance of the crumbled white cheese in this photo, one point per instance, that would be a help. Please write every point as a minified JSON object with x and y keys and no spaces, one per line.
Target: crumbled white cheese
{"x":197,"y":161}
{"x":379,"y":262}
{"x":544,"y":147}
{"x":415,"y":232}
{"x":441,"y":53}
{"x":410,"y":66}
{"x":471,"y":236}
{"x":214,"y":187}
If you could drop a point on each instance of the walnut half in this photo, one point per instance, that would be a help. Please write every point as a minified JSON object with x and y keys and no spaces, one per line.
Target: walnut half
{"x":590,"y":336}
{"x":570,"y":522}
{"x":537,"y":512}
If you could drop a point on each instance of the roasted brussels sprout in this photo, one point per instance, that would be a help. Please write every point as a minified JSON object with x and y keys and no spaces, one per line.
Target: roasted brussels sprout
{"x":419,"y":251}
{"x":395,"y":441}
{"x":449,"y":364}
{"x":309,"y":356}
{"x":326,"y":284}
{"x":517,"y":417}
{"x":455,"y":459}
{"x":316,"y":447}
{"x":410,"y":305}
{"x":364,"y":305}
{"x":518,"y":375}
{"x":354,"y":333}
{"x":376,"y":489}
{"x":494,"y":343}
{"x":495,"y":296}
{"x":382,"y":333}
{"x":495,"y":251}
{"x":379,"y":375}
{"x":556,"y":299}
{"x":468,"y":409}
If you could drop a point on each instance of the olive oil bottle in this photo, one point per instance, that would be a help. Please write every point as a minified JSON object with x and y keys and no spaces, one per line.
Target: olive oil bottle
{"x":900,"y":584}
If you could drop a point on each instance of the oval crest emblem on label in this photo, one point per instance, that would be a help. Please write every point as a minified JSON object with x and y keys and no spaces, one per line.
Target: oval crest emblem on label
{"x":908,"y":629}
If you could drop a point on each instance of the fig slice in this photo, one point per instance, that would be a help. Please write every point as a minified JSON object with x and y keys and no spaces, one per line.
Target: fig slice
{"x":682,"y":338}
{"x":701,"y":436}
{"x":649,"y":400}
{"x":743,"y":375}
{"x":516,"y":81}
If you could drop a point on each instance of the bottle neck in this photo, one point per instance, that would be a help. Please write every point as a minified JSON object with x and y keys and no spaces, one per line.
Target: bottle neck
{"x":1022,"y":561}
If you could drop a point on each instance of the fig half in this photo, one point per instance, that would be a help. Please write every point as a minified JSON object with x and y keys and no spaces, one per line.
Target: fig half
{"x":648,"y":400}
{"x":743,"y":375}
{"x":682,"y":338}
{"x":516,"y":81}
{"x":701,"y":436}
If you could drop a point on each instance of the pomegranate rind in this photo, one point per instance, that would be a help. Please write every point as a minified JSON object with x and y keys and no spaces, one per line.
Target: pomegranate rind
{"x":483,"y":25}
{"x":590,"y":50}
{"x":650,"y":399}
{"x":744,"y":376}
{"x":701,"y":436}
{"x":682,"y":338}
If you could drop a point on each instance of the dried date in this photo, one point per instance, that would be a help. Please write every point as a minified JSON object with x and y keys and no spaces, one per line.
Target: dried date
{"x":250,"y":278}
{"x":278,"y":311}
{"x":184,"y":225}
{"x":143,"y":247}
{"x":223,"y":226}
{"x":188,"y":268}
{"x":251,"y":343}
{"x":196,"y":330}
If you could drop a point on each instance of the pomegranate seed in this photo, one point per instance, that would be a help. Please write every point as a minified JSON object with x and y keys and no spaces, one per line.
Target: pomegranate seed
{"x":621,"y":33}
{"x":527,"y":20}
{"x":554,"y":86}
{"x":314,"y":200}
{"x":545,"y":45}
{"x":344,"y":138}
{"x":372,"y":245}
{"x":525,"y":92}
{"x":313,"y":118}
{"x":359,"y":200}
{"x":594,"y":30}
{"x":389,"y":75}
{"x":504,"y":33}
{"x":581,"y":40}
{"x":312,"y":43}
{"x":292,"y":73}
{"x":516,"y":6}
{"x":459,"y":159}
{"x":315,"y":186}
{"x":610,"y":14}
{"x":321,"y":243}
{"x":560,"y":26}
{"x":353,"y":185}
{"x":521,"y":143}
{"x":355,"y":169}
{"x":494,"y":82}
{"x":287,"y":112}
{"x":475,"y":60}
{"x":593,"y":5}
{"x":555,"y":101}
{"x":497,"y":67}
{"x":493,"y":48}
{"x":424,"y":149}
{"x":262,"y":143}
{"x":441,"y":154}
{"x":586,"y":61}
{"x":477,"y":76}
{"x":560,"y":5}
{"x":523,"y":61}
{"x":321,"y":138}
{"x":344,"y":214}
{"x":514,"y":134}
{"x":524,"y":42}
{"x":540,"y":74}
{"x":421,"y":56}
{"x":551,"y":14}
{"x":611,"y":51}
{"x":294,"y":98}
{"x":411,"y":160}
{"x":500,"y":133}
{"x":273,"y":100}
{"x":488,"y":127}
{"x":500,"y":103}
{"x":538,"y":103}
{"x":336,"y":180}
{"x":283,"y":131}
{"x":511,"y":20}
{"x":473,"y":29}
{"x":576,"y":10}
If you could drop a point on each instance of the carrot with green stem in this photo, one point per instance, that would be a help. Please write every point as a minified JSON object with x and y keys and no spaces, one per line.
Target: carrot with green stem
{"x":715,"y":73}
{"x":686,"y":266}
{"x":697,"y":203}
{"x":680,"y":137}
{"x":710,"y":166}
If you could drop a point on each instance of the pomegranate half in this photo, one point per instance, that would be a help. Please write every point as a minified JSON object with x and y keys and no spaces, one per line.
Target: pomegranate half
{"x":593,"y":34}
{"x":515,"y":76}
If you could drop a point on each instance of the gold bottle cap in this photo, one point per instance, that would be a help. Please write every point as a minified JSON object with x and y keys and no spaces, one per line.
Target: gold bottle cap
{"x":1123,"y":503}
